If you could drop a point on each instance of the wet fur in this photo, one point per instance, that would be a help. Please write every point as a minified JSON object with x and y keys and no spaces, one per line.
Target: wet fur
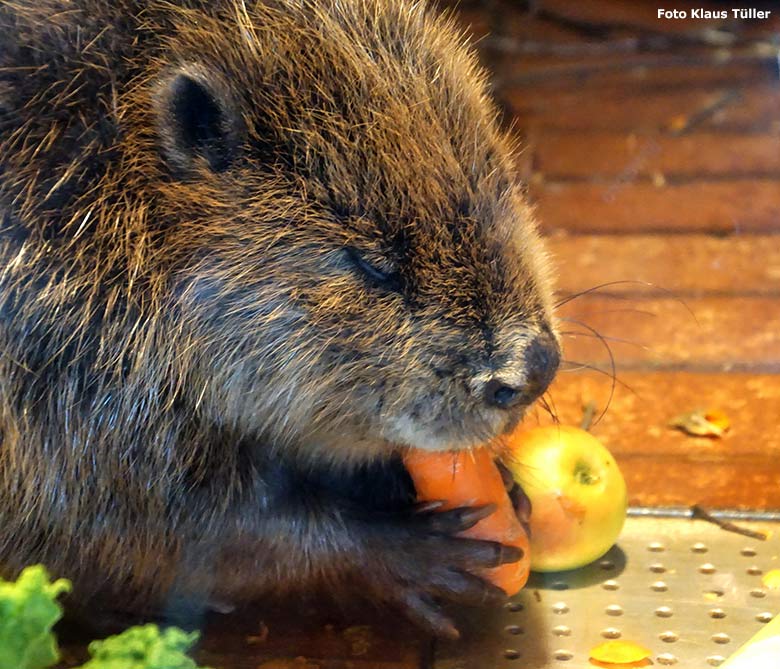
{"x":197,"y":374}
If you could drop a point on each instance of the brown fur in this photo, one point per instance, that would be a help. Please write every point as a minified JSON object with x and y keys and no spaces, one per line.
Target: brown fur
{"x":185,"y":344}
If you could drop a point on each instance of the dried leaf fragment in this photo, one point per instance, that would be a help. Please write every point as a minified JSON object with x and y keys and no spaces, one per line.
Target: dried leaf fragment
{"x":620,"y":653}
{"x":771,"y":579}
{"x":702,"y":423}
{"x":678,"y":123}
{"x":718,"y":418}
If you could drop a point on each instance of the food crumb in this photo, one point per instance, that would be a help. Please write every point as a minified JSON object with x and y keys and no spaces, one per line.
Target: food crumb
{"x":359,"y":638}
{"x":620,"y":653}
{"x":772,"y":579}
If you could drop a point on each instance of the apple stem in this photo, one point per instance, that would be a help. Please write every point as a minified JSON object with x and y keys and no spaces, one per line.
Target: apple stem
{"x":588,"y":413}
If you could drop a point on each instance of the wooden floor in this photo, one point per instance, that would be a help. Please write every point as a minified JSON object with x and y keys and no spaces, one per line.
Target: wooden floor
{"x":652,"y":152}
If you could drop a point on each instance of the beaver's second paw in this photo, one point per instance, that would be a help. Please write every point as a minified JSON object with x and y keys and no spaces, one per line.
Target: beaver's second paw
{"x":415,"y":561}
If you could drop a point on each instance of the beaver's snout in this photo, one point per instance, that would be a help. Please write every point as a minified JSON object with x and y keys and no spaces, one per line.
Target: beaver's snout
{"x":542,"y":357}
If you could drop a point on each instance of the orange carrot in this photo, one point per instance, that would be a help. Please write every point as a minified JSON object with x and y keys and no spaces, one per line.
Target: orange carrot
{"x":471,"y":478}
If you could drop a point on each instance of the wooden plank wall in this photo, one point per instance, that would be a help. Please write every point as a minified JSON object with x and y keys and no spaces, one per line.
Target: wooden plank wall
{"x":652,"y":154}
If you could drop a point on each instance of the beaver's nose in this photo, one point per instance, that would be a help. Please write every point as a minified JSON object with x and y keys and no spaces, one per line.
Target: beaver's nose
{"x":542,"y":357}
{"x":499,"y":394}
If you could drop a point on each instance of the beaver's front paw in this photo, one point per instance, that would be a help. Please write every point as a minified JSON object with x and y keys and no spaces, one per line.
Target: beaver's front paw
{"x":415,"y":561}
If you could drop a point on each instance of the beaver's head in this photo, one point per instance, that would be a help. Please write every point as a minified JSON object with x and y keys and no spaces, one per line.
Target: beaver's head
{"x":356,"y":262}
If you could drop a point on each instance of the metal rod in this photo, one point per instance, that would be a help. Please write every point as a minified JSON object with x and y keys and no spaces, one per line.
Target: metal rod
{"x":687,"y":512}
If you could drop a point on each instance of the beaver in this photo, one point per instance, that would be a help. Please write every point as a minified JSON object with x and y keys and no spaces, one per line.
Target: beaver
{"x":250,"y":251}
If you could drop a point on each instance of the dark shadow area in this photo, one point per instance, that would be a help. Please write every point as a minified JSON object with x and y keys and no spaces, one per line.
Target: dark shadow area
{"x":302,"y":633}
{"x":490,"y":636}
{"x":609,"y":566}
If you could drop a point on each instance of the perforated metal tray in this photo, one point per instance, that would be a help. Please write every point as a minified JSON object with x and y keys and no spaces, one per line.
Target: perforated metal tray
{"x":686,"y":589}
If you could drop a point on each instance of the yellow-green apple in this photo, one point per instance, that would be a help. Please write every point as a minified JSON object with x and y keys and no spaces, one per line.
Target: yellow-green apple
{"x":578,"y":495}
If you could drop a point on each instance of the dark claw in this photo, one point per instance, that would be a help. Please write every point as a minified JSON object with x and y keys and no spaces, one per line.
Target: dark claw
{"x":458,"y":520}
{"x":520,"y":501}
{"x":510,"y":554}
{"x":424,"y":507}
{"x":506,"y":475}
{"x":469,"y":589}
{"x":521,"y":504}
{"x":428,"y":615}
{"x":474,"y":554}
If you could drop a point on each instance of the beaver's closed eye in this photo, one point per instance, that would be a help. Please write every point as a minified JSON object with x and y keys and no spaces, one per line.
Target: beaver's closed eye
{"x":390,"y":280}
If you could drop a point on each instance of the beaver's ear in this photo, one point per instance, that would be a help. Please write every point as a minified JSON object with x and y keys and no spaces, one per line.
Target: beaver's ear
{"x":197,"y":120}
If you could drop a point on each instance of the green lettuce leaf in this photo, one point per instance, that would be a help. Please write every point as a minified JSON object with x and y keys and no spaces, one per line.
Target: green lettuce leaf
{"x":144,"y":647}
{"x":28,"y":611}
